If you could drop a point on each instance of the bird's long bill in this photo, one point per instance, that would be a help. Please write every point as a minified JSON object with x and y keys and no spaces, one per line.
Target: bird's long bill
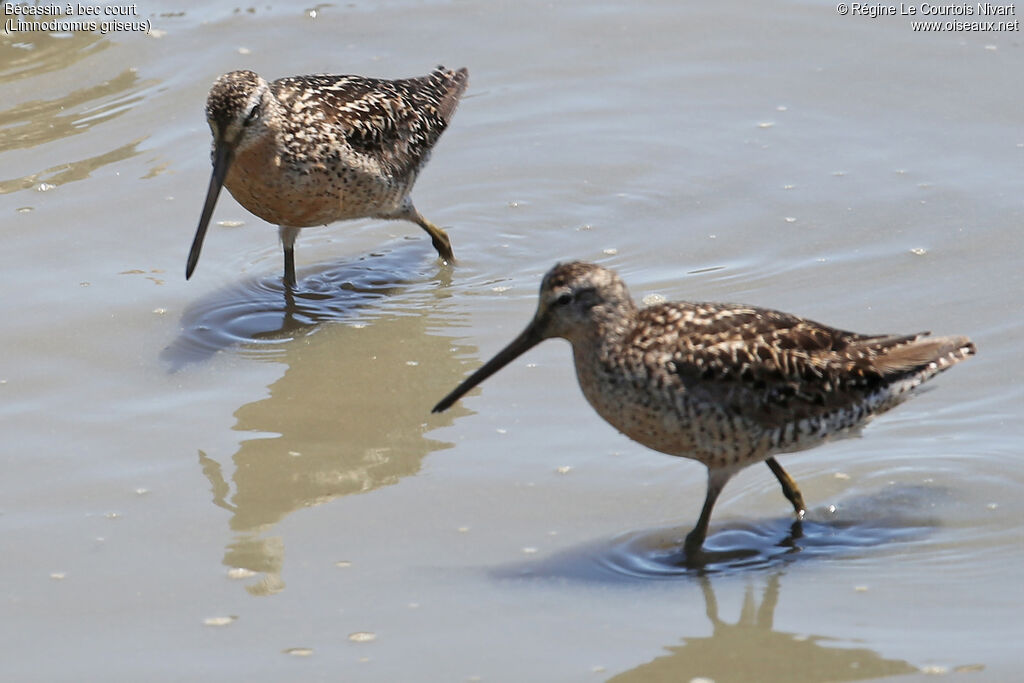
{"x":223,"y":154}
{"x":526,"y":340}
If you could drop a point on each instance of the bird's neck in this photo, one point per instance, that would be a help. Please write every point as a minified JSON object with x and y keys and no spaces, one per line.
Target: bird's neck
{"x":609,"y":325}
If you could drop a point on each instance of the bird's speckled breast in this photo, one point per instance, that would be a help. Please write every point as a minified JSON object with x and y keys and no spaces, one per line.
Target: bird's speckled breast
{"x":306,"y":195}
{"x":654,"y":409}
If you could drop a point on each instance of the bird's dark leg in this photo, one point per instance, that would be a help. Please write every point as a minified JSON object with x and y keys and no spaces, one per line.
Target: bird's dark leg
{"x":289,"y":267}
{"x":288,"y":236}
{"x":789,"y":487}
{"x":695,"y":539}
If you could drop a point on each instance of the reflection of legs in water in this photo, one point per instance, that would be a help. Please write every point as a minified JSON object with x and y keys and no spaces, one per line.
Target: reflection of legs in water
{"x":288,"y":322}
{"x":219,"y":487}
{"x":752,"y":644}
{"x":762,"y":616}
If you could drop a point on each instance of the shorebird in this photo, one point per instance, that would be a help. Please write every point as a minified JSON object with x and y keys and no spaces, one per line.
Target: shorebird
{"x":311,"y":150}
{"x":724,"y":384}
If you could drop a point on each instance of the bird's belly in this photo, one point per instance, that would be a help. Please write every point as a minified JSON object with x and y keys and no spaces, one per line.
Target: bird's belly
{"x":667,"y":420}
{"x":304,"y":197}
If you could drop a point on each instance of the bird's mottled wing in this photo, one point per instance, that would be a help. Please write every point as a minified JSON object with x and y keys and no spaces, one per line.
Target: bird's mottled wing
{"x":392,"y":124}
{"x":766,"y":364}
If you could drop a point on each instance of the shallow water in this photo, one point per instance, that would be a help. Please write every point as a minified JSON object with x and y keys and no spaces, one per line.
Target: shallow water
{"x":206,"y":478}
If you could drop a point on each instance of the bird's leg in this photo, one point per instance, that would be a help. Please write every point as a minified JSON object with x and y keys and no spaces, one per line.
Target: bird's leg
{"x":289,"y":267}
{"x":789,"y":487}
{"x":438,"y":237}
{"x":717,"y":479}
{"x":288,"y":236}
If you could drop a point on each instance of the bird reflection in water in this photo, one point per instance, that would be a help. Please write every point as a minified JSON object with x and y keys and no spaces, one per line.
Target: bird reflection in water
{"x":752,"y":650}
{"x":316,"y":434}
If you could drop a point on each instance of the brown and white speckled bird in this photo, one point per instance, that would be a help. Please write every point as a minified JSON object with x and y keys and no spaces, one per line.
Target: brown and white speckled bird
{"x":726,"y":385}
{"x":311,"y":150}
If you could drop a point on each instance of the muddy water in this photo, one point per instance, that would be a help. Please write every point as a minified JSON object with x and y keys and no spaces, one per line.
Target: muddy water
{"x":212,"y":478}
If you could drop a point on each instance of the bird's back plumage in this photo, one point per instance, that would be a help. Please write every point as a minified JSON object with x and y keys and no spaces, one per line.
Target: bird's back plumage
{"x":392,"y":124}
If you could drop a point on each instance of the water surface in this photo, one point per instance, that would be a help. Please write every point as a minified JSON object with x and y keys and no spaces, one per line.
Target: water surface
{"x":206,"y":478}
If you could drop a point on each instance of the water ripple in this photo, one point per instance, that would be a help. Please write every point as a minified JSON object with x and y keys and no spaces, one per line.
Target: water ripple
{"x":892,"y":516}
{"x":658,"y":553}
{"x":259,"y":315}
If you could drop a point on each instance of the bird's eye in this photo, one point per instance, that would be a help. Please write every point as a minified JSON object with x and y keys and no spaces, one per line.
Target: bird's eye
{"x":254,"y":114}
{"x":564,"y":299}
